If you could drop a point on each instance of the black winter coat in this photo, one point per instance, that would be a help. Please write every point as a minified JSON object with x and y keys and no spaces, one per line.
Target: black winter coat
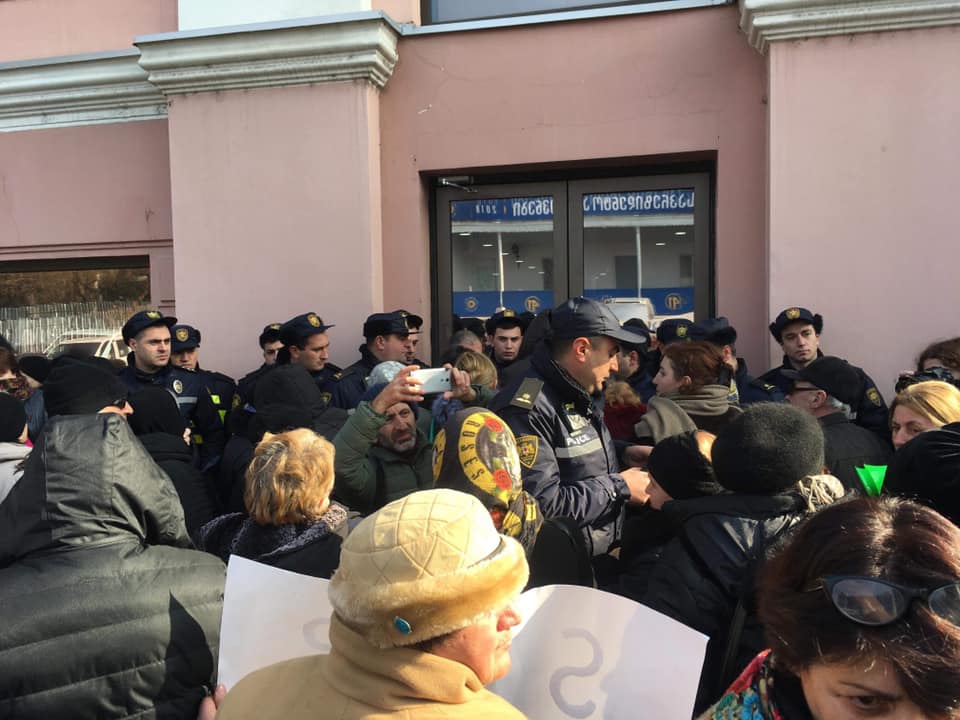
{"x":107,"y":612}
{"x":711,"y":564}
{"x":175,"y":458}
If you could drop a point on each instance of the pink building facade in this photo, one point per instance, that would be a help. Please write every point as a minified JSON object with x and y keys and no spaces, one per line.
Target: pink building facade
{"x":346,"y":157}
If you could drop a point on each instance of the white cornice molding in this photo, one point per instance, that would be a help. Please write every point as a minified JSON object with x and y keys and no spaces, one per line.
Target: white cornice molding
{"x":765,"y":21}
{"x":361,"y":46}
{"x":79,"y":90}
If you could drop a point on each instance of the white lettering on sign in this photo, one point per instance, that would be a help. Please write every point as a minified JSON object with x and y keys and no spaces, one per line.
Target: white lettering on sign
{"x":635,"y":202}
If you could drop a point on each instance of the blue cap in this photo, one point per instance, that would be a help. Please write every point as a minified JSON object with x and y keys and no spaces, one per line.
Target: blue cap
{"x":717,"y":331}
{"x":184,"y":337}
{"x":792,"y":315}
{"x":296,"y":330}
{"x":674,"y":330}
{"x":506,"y":319}
{"x":398,"y":322}
{"x":584,"y":317}
{"x":140,"y":321}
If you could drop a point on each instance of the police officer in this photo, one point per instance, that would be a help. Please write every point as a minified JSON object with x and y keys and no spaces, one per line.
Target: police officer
{"x":568,"y":459}
{"x":798,"y":332}
{"x":415,"y":322}
{"x":386,"y":339}
{"x":504,"y":335}
{"x":147,"y":334}
{"x":744,"y":388}
{"x":305,"y":342}
{"x":270,"y":346}
{"x":185,"y":349}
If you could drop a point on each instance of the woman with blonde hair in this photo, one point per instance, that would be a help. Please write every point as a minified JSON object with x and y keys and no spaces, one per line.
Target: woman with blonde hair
{"x":290,"y":521}
{"x":921,"y":407}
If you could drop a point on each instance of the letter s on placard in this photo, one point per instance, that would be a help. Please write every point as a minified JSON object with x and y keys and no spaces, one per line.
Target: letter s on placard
{"x":585,"y":709}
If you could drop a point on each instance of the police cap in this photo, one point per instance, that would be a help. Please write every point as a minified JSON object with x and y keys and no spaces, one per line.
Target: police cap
{"x":674,"y":330}
{"x":505,"y":319}
{"x":583,"y":317}
{"x":414,"y":322}
{"x":271,"y":333}
{"x":295,"y":330}
{"x":792,"y":315}
{"x":140,"y":321}
{"x":391,"y":323}
{"x":717,"y":331}
{"x":833,"y":375}
{"x":183,"y":337}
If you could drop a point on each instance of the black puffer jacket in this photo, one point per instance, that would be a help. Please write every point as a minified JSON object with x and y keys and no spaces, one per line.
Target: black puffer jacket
{"x":107,"y":612}
{"x":711,"y":564}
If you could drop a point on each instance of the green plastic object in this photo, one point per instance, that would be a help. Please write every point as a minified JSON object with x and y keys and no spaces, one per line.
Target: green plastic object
{"x":871,"y":476}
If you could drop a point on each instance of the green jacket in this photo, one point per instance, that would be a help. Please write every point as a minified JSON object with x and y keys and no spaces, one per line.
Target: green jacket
{"x":369,"y":476}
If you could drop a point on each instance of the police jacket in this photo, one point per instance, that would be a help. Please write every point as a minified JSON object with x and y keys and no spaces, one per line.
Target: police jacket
{"x":327,"y":379}
{"x":350,"y":387}
{"x":752,"y":390}
{"x":107,"y":612}
{"x":193,"y":399}
{"x":871,"y":409}
{"x":568,"y":458}
{"x":368,"y":475}
{"x":222,"y":388}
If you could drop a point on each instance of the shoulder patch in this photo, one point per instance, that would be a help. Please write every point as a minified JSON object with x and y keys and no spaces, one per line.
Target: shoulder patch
{"x":527,"y":393}
{"x":873,"y":395}
{"x":527,"y":448}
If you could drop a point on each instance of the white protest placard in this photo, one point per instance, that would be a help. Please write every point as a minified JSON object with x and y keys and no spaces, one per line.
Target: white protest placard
{"x":586,"y":654}
{"x":269,"y":615}
{"x":579,"y":653}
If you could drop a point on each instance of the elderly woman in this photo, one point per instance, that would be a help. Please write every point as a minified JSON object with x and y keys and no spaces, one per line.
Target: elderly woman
{"x":921,"y":407}
{"x":423,"y":609}
{"x":291,"y":523}
{"x":862,"y":613}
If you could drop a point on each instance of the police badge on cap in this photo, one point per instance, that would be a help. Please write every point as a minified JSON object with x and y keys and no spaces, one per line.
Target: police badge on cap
{"x":183,"y":334}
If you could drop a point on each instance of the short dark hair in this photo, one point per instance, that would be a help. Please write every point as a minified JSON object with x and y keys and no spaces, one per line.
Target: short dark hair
{"x":947,"y":351}
{"x":887,"y":538}
{"x":561,"y":346}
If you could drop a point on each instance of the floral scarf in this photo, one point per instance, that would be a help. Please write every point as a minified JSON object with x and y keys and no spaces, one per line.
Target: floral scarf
{"x":759,"y":694}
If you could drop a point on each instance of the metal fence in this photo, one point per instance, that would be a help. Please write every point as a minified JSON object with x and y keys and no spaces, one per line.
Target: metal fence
{"x":33,"y":328}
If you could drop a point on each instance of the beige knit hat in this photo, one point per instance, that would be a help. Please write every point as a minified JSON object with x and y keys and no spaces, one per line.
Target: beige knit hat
{"x":423,"y":566}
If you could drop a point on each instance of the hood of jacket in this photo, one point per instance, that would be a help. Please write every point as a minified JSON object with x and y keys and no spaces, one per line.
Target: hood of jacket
{"x":89,"y":482}
{"x":165,"y":446}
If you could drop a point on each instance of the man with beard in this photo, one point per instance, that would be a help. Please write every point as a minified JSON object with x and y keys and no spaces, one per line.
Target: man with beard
{"x":380,"y":454}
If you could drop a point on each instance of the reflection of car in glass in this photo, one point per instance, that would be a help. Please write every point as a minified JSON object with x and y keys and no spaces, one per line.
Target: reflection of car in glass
{"x":100,"y":343}
{"x":626,"y":308}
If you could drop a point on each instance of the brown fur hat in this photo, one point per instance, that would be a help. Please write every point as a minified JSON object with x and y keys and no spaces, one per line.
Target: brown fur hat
{"x":424,"y":566}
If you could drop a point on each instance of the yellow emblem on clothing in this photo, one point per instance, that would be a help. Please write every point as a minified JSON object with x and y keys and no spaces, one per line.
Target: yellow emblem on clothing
{"x":873,"y":395}
{"x":182,"y":334}
{"x":527,"y":447}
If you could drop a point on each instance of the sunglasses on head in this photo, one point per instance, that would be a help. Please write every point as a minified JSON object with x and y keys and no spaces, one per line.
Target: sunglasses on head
{"x":874,"y":602}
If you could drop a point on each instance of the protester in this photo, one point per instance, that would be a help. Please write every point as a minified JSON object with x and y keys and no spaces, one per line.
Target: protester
{"x":622,"y":409}
{"x":693,"y":386}
{"x":290,"y":522}
{"x":416,"y":632}
{"x":107,"y":611}
{"x":927,"y":469}
{"x":922,"y":407}
{"x":941,"y":354}
{"x":12,"y":381}
{"x":769,"y":459}
{"x":483,"y":381}
{"x":14,"y":445}
{"x":158,"y":424}
{"x":862,"y":616}
{"x":483,"y":462}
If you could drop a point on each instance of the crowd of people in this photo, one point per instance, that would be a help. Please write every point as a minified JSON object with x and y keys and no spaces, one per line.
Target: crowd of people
{"x":569,"y":449}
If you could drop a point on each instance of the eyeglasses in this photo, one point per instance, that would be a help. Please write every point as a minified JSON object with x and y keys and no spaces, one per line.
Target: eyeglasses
{"x":875,"y":602}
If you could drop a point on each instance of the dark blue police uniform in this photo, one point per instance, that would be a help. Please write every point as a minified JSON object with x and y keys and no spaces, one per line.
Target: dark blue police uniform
{"x":350,"y":387}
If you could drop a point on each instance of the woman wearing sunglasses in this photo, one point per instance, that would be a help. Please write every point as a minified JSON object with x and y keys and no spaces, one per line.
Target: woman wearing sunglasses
{"x":861,"y":611}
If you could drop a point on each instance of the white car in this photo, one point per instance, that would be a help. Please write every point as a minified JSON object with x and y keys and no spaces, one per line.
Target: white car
{"x":636,"y":307}
{"x":99,"y":343}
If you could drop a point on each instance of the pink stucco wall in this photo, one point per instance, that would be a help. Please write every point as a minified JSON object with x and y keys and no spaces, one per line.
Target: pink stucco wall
{"x":863,"y":215}
{"x":275,"y":213}
{"x":50,"y":28}
{"x":629,"y":87}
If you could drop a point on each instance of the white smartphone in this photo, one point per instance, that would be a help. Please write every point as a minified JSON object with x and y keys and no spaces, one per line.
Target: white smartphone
{"x":433,"y":380}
